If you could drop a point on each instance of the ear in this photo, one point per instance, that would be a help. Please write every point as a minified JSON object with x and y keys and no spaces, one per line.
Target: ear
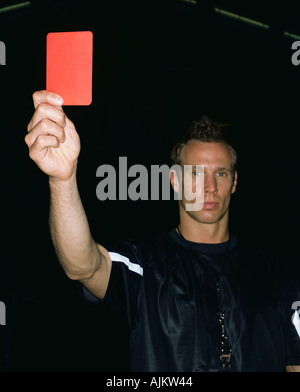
{"x":174,"y":180}
{"x":234,"y":183}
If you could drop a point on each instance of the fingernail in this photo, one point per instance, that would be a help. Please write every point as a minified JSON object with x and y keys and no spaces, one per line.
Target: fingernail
{"x":58,"y":100}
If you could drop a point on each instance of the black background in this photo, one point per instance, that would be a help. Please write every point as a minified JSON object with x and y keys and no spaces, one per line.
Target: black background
{"x":158,"y":65}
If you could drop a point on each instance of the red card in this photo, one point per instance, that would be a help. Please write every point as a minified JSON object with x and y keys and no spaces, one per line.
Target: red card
{"x":69,"y":66}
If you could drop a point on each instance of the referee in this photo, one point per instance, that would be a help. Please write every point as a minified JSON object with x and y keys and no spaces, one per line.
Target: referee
{"x":195,"y":299}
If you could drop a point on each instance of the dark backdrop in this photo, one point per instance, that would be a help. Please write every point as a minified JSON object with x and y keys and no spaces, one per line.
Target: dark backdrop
{"x":157,"y":66}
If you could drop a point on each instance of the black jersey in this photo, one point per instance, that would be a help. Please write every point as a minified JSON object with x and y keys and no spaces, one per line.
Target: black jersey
{"x":171,"y":291}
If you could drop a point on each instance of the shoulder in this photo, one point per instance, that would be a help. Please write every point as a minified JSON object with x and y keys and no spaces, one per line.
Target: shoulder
{"x":142,"y":251}
{"x":257,"y":255}
{"x":277,"y":264}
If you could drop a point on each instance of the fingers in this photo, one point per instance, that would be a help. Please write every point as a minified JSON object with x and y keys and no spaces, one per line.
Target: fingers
{"x":47,"y":119}
{"x":39,"y":148}
{"x":45,"y":111}
{"x":52,"y":139}
{"x":49,"y":97}
{"x":45,"y":127}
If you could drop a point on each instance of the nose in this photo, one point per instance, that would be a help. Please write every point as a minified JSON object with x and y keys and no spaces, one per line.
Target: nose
{"x":210,"y":184}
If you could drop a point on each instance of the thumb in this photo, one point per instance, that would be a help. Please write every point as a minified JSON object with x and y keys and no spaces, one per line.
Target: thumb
{"x":49,"y":97}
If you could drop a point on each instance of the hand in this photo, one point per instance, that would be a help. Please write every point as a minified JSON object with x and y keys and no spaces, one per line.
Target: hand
{"x":53,"y":142}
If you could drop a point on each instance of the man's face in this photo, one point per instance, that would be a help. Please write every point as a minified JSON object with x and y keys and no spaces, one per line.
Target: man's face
{"x":218,"y":182}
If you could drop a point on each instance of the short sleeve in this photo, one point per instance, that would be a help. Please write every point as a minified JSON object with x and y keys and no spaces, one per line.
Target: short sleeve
{"x":289,"y":297}
{"x":124,"y":284}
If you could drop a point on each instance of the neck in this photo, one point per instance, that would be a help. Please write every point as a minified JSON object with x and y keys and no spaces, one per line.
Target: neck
{"x":206,"y":233}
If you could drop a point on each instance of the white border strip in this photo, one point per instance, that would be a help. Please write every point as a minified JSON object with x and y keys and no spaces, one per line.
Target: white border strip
{"x":296,"y":321}
{"x":131,"y":266}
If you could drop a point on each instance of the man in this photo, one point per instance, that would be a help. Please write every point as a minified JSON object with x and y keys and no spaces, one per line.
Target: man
{"x":195,"y":300}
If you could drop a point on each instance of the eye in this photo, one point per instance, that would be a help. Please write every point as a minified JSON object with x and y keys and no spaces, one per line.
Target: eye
{"x":196,"y":173}
{"x":222,"y":174}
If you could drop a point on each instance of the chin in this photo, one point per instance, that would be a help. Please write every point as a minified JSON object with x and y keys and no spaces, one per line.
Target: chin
{"x":204,"y":216}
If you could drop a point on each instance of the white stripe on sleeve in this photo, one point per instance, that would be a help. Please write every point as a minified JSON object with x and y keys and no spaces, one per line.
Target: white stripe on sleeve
{"x":296,"y":321}
{"x":131,"y":266}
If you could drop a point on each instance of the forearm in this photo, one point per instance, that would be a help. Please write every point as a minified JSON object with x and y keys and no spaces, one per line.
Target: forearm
{"x":70,"y":232}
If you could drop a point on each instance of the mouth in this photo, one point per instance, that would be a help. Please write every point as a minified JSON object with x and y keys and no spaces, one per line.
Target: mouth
{"x":210,"y":205}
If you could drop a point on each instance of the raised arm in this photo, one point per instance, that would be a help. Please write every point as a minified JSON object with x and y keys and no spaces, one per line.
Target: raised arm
{"x":54,"y":145}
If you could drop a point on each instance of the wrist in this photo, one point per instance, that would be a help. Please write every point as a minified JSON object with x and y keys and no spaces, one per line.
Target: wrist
{"x":66,"y":185}
{"x":68,"y":179}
